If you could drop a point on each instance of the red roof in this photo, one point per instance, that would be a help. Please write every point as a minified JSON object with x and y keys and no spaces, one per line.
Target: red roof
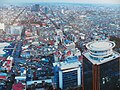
{"x":39,"y":46}
{"x":2,"y":77}
{"x":41,"y":39}
{"x":8,"y":61}
{"x":80,"y":58}
{"x":57,"y":53}
{"x":68,"y":53}
{"x":35,"y":59}
{"x":52,"y":42}
{"x":18,"y":86}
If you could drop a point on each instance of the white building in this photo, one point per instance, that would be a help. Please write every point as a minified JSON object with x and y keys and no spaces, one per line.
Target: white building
{"x":8,"y":63}
{"x":15,"y":30}
{"x":68,"y":73}
{"x":2,"y":46}
{"x":59,"y":36}
{"x":2,"y":27}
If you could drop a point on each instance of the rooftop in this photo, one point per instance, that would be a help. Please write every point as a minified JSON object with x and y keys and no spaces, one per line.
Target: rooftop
{"x":67,"y":41}
{"x":39,"y":81}
{"x":99,"y":61}
{"x":72,"y":59}
{"x":2,"y":46}
{"x":71,"y":62}
{"x":100,"y":45}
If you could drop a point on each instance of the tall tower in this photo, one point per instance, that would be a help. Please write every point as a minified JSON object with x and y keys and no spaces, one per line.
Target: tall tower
{"x":101,"y":66}
{"x":46,"y":10}
{"x":35,"y":8}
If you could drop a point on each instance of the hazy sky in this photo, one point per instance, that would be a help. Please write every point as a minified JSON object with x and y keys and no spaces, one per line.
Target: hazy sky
{"x":71,"y":1}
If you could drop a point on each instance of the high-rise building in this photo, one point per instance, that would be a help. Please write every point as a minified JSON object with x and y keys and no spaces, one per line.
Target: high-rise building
{"x":101,"y":66}
{"x":46,"y":10}
{"x":35,"y":8}
{"x":67,"y":74}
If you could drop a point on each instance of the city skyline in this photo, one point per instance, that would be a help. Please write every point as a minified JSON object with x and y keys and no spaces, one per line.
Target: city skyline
{"x":59,"y":46}
{"x":64,"y":1}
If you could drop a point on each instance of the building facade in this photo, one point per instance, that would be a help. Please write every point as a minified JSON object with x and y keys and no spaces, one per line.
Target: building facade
{"x":14,"y":30}
{"x":101,"y":66}
{"x":68,"y":74}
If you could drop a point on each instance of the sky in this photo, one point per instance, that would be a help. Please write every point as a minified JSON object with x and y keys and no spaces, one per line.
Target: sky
{"x":68,"y":1}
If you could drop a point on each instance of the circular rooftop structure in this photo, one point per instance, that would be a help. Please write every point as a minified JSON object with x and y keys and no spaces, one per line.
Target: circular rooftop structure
{"x":100,"y":45}
{"x":100,"y":49}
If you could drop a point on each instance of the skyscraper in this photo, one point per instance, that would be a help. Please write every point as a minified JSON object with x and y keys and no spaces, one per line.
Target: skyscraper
{"x":35,"y":8}
{"x":46,"y":10}
{"x":101,"y":66}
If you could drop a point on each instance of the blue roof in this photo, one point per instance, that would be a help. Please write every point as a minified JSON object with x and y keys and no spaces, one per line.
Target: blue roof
{"x":45,"y":60}
{"x":72,"y":59}
{"x":67,"y":41}
{"x":3,"y":74}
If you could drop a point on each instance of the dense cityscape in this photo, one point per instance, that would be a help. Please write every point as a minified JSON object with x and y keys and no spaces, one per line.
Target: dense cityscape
{"x":59,"y":46}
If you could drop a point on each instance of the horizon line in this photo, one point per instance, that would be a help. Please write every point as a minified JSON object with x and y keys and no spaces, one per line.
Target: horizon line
{"x":61,"y":3}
